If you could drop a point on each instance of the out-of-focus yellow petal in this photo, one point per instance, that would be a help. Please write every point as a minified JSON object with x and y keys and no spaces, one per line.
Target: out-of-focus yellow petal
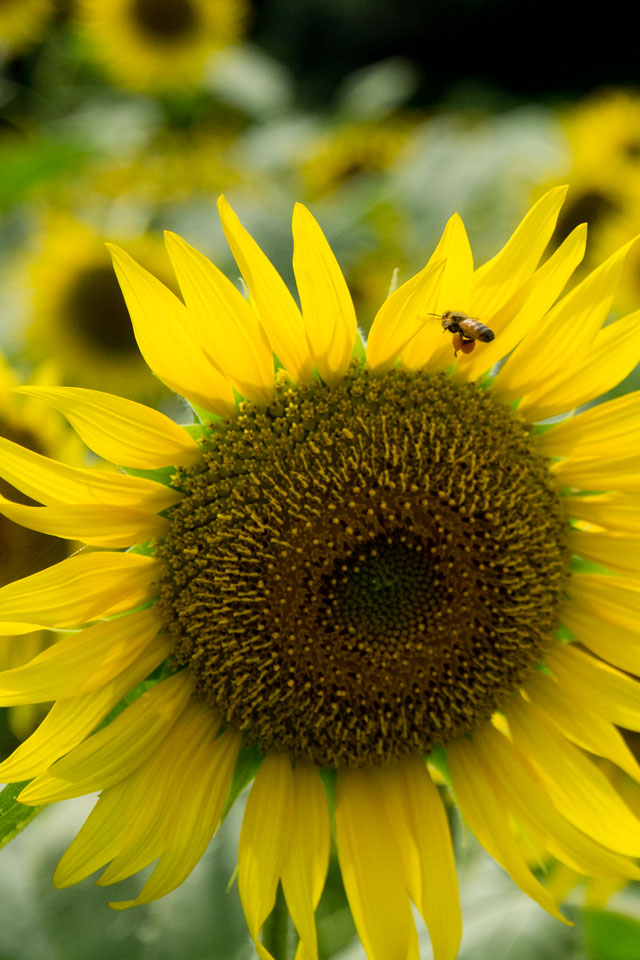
{"x":305,"y":869}
{"x":616,"y":551}
{"x":82,"y":661}
{"x":402,"y":315}
{"x":584,"y":726}
{"x":84,"y":587}
{"x":613,"y":598}
{"x":265,"y":840}
{"x":51,"y":482}
{"x":614,"y":511}
{"x":327,"y":307}
{"x":98,"y":525}
{"x":70,"y":721}
{"x":371,"y":868}
{"x":498,"y":279}
{"x":115,"y":751}
{"x":611,"y":642}
{"x":610,"y":429}
{"x":166,"y":339}
{"x":487,"y":817}
{"x":419,"y":822}
{"x":599,"y":473}
{"x":565,"y":335}
{"x":119,"y":430}
{"x":613,"y":355}
{"x":578,"y":789}
{"x":588,"y":680}
{"x":229,"y":332}
{"x":276,"y":308}
{"x":525,"y":798}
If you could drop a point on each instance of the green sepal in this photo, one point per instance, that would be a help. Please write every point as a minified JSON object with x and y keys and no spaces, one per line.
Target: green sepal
{"x":14,"y":816}
{"x":610,"y":935}
{"x":245,"y":770}
{"x":162,"y":475}
{"x":438,"y":759}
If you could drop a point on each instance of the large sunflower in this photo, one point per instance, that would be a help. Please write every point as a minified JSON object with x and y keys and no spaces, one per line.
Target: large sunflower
{"x":354,"y":569}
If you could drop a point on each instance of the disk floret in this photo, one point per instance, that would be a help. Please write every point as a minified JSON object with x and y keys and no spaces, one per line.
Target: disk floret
{"x":361,"y":571}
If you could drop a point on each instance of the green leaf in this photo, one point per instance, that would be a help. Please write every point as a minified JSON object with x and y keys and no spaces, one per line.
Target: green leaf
{"x":611,"y":936}
{"x":14,"y":816}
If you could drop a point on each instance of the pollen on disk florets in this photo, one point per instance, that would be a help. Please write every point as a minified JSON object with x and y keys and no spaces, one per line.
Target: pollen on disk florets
{"x":361,"y":571}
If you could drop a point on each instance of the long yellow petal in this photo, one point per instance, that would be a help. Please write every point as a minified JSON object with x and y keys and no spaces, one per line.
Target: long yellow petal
{"x":616,"y":644}
{"x":599,"y":473}
{"x":498,"y":279}
{"x":487,"y":817}
{"x":95,"y":524}
{"x":418,"y":820}
{"x":265,"y":840}
{"x":82,"y":661}
{"x":166,"y":339}
{"x":305,"y":869}
{"x":119,"y":430}
{"x":612,"y":598}
{"x":70,"y":721}
{"x":84,"y":587}
{"x":525,"y":798}
{"x":115,"y":751}
{"x":613,"y":511}
{"x":327,"y":307}
{"x":230,"y":333}
{"x":613,"y":550}
{"x":578,"y":789}
{"x":609,"y":429}
{"x":613,"y":355}
{"x":371,"y":868}
{"x":278,"y":311}
{"x":585,"y":727}
{"x":565,"y":335}
{"x":588,"y":680}
{"x":53,"y":483}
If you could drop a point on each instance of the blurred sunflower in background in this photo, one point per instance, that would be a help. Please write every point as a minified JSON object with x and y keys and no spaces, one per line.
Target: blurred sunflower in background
{"x":23,"y":22}
{"x":159,"y":45}
{"x":358,"y":564}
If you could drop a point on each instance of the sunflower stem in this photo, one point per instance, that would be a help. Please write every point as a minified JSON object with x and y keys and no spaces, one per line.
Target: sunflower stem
{"x":276,"y":935}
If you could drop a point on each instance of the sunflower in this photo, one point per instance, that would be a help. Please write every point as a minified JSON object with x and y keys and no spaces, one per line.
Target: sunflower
{"x":160,"y":44}
{"x":359,"y":564}
{"x":23,"y":22}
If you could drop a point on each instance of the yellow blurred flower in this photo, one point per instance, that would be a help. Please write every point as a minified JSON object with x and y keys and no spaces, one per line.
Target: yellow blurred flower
{"x":23,"y":22}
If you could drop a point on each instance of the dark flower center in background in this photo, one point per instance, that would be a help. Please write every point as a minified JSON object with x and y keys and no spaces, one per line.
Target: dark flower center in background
{"x":359,"y":572}
{"x":97,"y":312}
{"x":166,"y":20}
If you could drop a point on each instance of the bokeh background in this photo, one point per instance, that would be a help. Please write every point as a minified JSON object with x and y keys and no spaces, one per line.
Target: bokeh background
{"x":122,"y":118}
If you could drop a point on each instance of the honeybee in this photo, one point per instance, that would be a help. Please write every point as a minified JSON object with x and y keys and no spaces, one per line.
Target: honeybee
{"x":466,"y":330}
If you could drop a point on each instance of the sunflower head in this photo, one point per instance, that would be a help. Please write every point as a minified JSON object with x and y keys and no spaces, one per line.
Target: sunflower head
{"x":361,"y":558}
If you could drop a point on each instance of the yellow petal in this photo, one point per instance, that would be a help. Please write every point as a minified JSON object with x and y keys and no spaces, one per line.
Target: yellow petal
{"x":612,"y":598}
{"x":94,"y":524}
{"x":84,"y":587}
{"x":305,"y":869}
{"x":70,"y":721}
{"x":327,"y":307}
{"x":613,"y":511}
{"x":525,"y":798}
{"x":402,"y":316}
{"x":51,"y":482}
{"x":611,"y":642}
{"x":613,"y":550}
{"x":565,"y":335}
{"x":587,"y":680}
{"x":371,"y":868}
{"x":487,"y":817}
{"x":599,"y":473}
{"x":120,"y":430}
{"x":584,"y":726}
{"x":578,"y":789}
{"x":82,"y":661}
{"x":229,"y":332}
{"x":276,"y":308}
{"x":498,"y":279}
{"x":198,"y":804}
{"x":610,"y":429}
{"x":265,"y":839}
{"x":166,"y":339}
{"x":614,"y":353}
{"x":115,"y":751}
{"x":421,"y":829}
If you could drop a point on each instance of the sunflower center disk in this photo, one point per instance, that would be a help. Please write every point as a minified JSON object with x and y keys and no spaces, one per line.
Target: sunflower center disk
{"x":168,"y":20}
{"x":362,"y":571}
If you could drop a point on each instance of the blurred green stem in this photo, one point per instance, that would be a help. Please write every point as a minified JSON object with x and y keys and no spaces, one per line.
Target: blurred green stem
{"x":276,"y":934}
